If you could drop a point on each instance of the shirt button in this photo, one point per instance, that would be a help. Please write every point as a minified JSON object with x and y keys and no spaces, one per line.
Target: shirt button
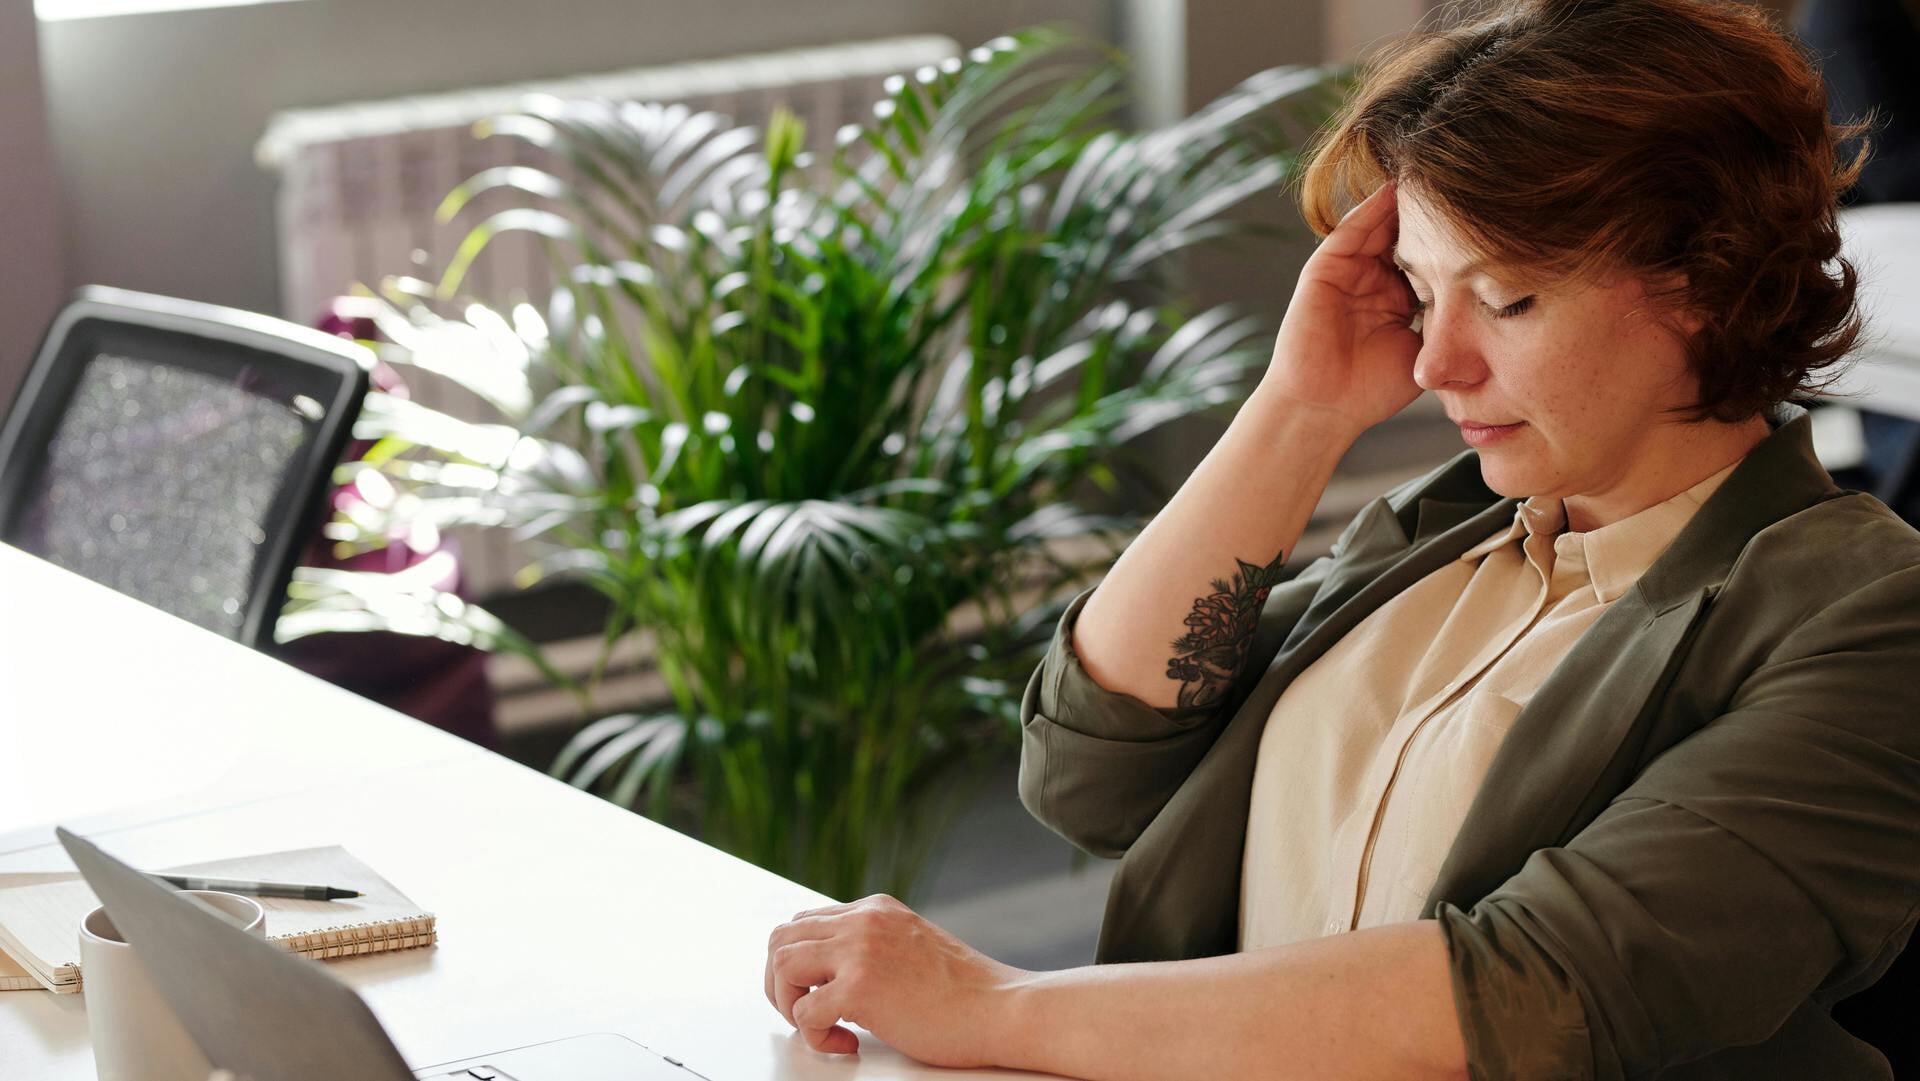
{"x":1333,"y":927}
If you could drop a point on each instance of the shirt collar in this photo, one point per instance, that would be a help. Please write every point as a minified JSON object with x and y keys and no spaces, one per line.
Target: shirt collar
{"x":1616,"y":554}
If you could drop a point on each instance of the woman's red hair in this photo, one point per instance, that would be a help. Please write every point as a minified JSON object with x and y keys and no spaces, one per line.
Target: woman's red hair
{"x":1683,"y":141}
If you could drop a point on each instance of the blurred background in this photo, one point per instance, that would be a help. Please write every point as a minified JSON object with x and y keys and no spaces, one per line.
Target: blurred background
{"x":278,"y":156}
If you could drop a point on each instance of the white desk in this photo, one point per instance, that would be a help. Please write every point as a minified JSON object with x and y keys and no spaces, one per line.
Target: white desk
{"x":113,"y":714}
{"x":1883,"y":242}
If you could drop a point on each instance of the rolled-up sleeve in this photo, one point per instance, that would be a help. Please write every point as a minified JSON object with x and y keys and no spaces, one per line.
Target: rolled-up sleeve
{"x":1770,"y":858}
{"x":1097,"y":765}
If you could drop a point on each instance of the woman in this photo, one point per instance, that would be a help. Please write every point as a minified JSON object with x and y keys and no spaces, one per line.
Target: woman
{"x":1589,"y":754}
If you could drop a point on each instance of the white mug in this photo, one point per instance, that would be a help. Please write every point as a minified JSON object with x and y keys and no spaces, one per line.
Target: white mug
{"x":136,"y":1036}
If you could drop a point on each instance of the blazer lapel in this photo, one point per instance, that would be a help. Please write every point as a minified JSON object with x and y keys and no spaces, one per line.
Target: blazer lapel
{"x":1177,"y":892}
{"x":1389,"y":547}
{"x":1576,"y":743}
{"x":1436,"y":516}
{"x":1591,"y":726}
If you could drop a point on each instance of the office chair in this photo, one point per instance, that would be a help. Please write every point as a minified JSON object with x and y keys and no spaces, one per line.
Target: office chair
{"x":178,"y":452}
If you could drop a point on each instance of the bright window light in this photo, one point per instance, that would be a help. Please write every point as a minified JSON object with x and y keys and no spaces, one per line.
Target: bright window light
{"x":54,"y":10}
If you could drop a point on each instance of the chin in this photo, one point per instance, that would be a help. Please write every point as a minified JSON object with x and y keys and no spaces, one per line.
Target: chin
{"x":1513,"y":476}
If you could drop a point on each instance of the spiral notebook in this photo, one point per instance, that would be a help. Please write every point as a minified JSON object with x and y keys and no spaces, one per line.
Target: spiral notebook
{"x":40,"y":922}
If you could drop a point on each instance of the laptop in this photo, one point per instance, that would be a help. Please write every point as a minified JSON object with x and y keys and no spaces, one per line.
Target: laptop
{"x":265,"y":1014}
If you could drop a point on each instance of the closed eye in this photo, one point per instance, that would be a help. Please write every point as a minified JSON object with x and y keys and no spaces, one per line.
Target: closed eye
{"x":1518,"y":307}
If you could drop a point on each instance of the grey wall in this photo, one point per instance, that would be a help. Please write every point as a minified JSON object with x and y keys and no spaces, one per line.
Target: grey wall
{"x":155,"y":116}
{"x":1227,"y":41}
{"x":33,"y":277}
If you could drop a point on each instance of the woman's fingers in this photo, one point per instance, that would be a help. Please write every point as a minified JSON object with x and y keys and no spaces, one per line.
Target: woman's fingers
{"x":807,"y":964}
{"x":800,"y":972}
{"x":1356,"y":258}
{"x":817,"y":1017}
{"x":813,"y":923}
{"x":1368,"y":229}
{"x":785,"y":995}
{"x":797,"y":967}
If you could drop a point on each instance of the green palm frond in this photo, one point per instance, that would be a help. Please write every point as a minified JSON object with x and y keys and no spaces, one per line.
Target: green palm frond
{"x":823,"y":427}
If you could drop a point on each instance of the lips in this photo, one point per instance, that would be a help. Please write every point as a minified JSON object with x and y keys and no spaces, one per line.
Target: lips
{"x":1480,"y":433}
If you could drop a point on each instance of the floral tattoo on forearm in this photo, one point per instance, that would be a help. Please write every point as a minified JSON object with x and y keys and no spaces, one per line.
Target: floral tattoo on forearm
{"x":1220,"y":633}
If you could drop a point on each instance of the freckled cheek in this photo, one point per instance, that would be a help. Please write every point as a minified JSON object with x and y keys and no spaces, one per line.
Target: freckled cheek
{"x":1562,"y":391}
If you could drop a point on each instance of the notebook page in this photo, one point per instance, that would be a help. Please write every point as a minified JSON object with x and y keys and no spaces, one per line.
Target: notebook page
{"x":381,"y":917}
{"x":40,"y":929}
{"x":14,"y":976}
{"x":40,"y":924}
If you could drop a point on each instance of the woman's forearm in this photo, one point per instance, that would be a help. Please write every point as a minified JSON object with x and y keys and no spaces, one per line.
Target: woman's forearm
{"x":1376,"y":1003}
{"x":1159,"y":627}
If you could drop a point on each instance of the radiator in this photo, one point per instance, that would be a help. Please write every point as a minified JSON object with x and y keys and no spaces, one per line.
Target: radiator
{"x":359,"y":185}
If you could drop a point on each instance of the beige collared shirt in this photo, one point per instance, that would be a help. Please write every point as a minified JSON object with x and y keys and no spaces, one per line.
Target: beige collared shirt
{"x":1372,"y":755}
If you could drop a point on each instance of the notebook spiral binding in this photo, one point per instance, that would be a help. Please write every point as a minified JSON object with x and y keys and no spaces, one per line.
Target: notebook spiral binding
{"x":356,"y":939}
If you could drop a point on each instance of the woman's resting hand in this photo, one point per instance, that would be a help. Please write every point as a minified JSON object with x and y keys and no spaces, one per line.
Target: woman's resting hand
{"x":880,"y":965}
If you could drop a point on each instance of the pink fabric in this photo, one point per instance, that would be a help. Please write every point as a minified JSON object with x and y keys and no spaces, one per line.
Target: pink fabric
{"x":437,"y":682}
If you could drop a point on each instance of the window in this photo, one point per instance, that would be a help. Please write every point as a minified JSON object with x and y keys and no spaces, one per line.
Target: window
{"x":53,"y":10}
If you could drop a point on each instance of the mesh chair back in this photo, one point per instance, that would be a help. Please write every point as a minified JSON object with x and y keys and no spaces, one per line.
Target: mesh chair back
{"x":177,"y":452}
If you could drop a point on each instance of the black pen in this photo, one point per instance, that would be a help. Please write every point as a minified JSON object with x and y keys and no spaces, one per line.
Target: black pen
{"x":259,"y":889}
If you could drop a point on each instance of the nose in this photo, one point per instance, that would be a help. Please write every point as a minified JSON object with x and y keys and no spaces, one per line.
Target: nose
{"x":1450,"y":354}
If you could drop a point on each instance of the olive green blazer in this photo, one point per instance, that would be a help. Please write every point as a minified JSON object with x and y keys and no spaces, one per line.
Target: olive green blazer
{"x":1702,"y":831}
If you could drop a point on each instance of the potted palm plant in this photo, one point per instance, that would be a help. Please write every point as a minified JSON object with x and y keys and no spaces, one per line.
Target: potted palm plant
{"x":821,"y":427}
